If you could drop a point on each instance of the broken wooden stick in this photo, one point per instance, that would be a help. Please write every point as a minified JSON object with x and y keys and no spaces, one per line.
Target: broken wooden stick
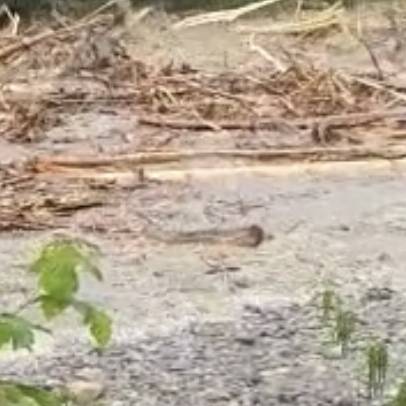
{"x":128,"y":162}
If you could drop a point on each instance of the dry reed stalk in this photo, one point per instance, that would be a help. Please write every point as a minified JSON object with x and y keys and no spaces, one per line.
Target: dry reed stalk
{"x":222,"y":16}
{"x":326,"y":18}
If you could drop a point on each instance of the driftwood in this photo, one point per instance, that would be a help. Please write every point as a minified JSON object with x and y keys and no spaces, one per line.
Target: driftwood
{"x":131,"y":161}
{"x":250,"y":236}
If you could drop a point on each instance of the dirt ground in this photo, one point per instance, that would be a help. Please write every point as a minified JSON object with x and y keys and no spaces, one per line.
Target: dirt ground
{"x":213,"y":324}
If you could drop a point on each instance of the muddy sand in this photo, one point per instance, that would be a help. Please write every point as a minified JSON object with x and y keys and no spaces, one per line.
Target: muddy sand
{"x":206,"y":324}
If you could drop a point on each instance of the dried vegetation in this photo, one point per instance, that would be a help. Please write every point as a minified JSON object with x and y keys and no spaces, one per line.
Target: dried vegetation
{"x":318,"y":113}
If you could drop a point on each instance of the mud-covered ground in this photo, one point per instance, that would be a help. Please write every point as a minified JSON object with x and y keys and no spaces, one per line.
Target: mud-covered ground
{"x":202,"y":325}
{"x":250,"y":335}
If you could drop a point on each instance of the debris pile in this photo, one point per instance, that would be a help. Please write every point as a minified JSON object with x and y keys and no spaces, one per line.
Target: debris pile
{"x":48,"y":72}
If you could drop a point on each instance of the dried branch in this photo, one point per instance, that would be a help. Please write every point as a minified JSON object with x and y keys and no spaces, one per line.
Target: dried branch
{"x":223,"y":15}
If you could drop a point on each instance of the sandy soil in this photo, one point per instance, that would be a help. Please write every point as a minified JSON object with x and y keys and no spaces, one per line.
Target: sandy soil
{"x":252,"y":334}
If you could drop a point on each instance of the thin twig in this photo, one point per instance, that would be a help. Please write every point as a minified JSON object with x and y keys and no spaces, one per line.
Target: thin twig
{"x":368,"y":82}
{"x":324,"y":19}
{"x":333,"y":121}
{"x":280,"y":67}
{"x":99,"y":10}
{"x":31,"y":41}
{"x":223,"y":15}
{"x":254,"y":125}
{"x":373,"y":57}
{"x":27,"y":304}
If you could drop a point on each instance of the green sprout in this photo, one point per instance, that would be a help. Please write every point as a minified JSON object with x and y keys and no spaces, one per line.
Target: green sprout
{"x":329,"y":303}
{"x":377,"y":367}
{"x":343,"y":328}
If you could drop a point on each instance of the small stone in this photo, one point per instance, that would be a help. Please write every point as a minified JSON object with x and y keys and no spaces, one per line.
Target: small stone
{"x":340,"y":401}
{"x":87,"y":386}
{"x":242,"y":283}
{"x":217,"y":395}
{"x":287,"y":398}
{"x":379,"y":294}
{"x":84,"y":392}
{"x":384,"y":257}
{"x":245,"y":340}
{"x":253,"y":308}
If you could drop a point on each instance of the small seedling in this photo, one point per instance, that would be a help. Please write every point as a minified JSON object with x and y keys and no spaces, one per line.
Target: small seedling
{"x":343,"y":328}
{"x":329,"y":303}
{"x":58,"y":268}
{"x":377,"y":367}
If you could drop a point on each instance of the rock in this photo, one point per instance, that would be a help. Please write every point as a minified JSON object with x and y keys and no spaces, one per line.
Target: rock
{"x":87,"y":386}
{"x":242,"y":283}
{"x":245,"y":340}
{"x":84,"y":393}
{"x":379,"y":294}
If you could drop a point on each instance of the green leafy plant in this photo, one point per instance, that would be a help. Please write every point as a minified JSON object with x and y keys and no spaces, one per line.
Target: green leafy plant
{"x":339,"y":321}
{"x":58,"y":269}
{"x":13,"y":394}
{"x":377,"y":358}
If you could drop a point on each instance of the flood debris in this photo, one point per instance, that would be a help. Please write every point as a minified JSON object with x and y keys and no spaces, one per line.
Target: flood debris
{"x":301,"y":113}
{"x":55,"y":70}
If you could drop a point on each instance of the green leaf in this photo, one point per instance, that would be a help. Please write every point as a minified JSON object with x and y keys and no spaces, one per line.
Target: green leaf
{"x":16,"y":330}
{"x":5,"y":334}
{"x":100,"y":327}
{"x":100,"y":324}
{"x":59,"y":281}
{"x":53,"y":307}
{"x":12,"y":394}
{"x":58,"y":264}
{"x":41,"y":396}
{"x":57,"y":267}
{"x":55,"y":252}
